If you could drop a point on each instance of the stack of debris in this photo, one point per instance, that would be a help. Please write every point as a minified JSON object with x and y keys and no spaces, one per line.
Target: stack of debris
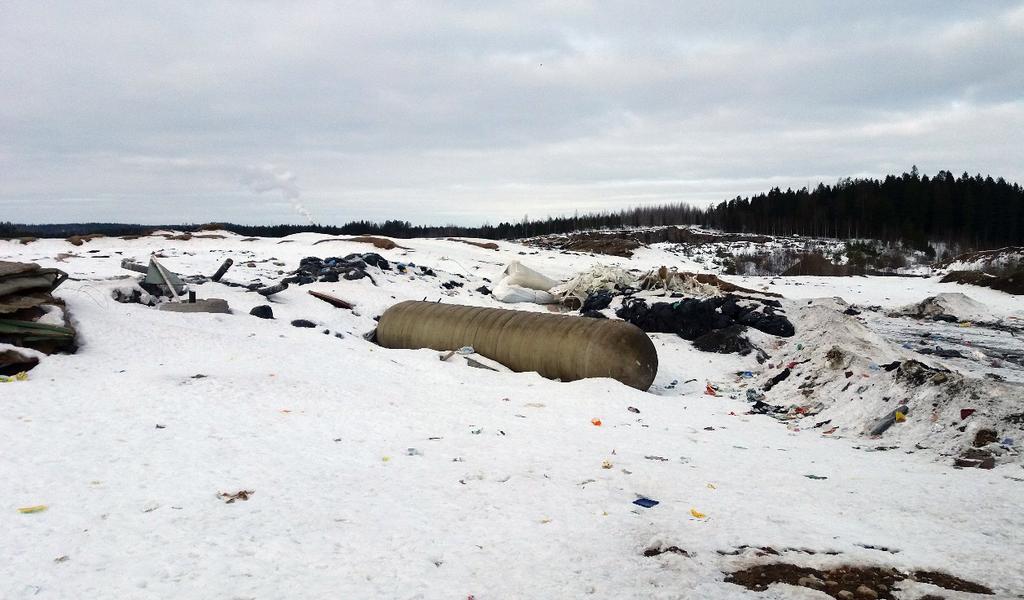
{"x":160,"y":284}
{"x":332,"y":269}
{"x":714,"y":324}
{"x":599,"y":279}
{"x":30,"y":317}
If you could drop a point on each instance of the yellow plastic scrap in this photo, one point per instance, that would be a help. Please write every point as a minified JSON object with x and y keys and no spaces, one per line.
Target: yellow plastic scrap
{"x":32,"y":509}
{"x":900,"y":417}
{"x":22,"y":376}
{"x":711,"y":486}
{"x":697,"y":514}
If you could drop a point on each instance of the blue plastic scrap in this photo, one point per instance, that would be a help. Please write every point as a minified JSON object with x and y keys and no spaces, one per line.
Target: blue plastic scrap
{"x":646,"y":502}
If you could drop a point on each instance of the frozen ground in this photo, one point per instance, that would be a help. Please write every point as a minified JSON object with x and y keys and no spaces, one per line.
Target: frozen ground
{"x":389,"y":474}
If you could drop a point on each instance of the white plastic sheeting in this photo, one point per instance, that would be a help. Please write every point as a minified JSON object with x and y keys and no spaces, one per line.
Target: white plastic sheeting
{"x":523,"y":284}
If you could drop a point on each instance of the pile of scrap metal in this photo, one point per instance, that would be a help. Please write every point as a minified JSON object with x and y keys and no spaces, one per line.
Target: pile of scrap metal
{"x":160,"y":284}
{"x":30,"y":317}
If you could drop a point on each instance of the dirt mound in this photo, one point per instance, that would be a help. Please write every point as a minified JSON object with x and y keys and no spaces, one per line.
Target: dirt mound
{"x":78,"y":240}
{"x":602,"y":244}
{"x":624,"y":242}
{"x":990,"y":261}
{"x":685,"y":235}
{"x":378,"y":242}
{"x":619,"y":243}
{"x":484,"y":245}
{"x":1012,"y":283}
{"x":816,"y":264}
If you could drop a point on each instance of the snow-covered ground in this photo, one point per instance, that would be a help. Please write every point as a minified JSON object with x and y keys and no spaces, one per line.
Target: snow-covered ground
{"x":390,"y":474}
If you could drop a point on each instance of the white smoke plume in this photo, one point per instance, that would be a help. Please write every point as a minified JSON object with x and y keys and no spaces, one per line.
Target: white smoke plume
{"x":267,"y":178}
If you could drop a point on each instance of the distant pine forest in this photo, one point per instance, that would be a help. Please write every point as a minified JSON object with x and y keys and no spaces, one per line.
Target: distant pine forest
{"x":913,"y":209}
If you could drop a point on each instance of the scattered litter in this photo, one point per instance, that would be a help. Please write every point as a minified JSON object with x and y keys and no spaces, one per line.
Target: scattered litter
{"x":646,"y":502}
{"x":884,"y":423}
{"x":206,"y":305}
{"x":229,"y":498}
{"x":332,"y":300}
{"x":20,"y":376}
{"x":696,"y":514}
{"x":815,"y":477}
{"x":633,"y":409}
{"x":32,"y":509}
{"x":671,"y":549}
{"x":264,"y":311}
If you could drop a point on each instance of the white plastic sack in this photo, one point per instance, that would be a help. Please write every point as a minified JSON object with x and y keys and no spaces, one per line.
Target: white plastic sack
{"x":518,"y":274}
{"x":503,"y":292}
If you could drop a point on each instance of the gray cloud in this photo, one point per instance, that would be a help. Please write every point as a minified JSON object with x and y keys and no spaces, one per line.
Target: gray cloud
{"x":473,"y":112}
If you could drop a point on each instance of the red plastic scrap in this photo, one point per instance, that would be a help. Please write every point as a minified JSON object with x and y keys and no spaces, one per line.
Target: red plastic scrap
{"x":966,"y":412}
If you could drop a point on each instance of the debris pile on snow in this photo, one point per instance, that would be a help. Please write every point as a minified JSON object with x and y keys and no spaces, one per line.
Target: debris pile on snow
{"x":332,"y":269}
{"x":715,"y":324}
{"x":30,"y":317}
{"x":599,"y":278}
{"x":165,"y":289}
{"x":838,"y":376}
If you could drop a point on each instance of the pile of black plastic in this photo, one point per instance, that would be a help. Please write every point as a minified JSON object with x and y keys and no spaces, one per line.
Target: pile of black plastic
{"x":333,"y":268}
{"x":714,"y":324}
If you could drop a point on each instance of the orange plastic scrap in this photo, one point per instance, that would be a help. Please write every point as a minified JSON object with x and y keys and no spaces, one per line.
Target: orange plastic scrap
{"x":710,"y":390}
{"x":697,"y":514}
{"x":596,"y":422}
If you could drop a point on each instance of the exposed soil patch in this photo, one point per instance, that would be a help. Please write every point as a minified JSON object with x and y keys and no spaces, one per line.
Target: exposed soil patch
{"x":846,"y":582}
{"x":949,"y":582}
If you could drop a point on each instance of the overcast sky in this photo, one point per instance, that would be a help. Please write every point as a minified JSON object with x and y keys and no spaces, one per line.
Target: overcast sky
{"x":485,"y":111}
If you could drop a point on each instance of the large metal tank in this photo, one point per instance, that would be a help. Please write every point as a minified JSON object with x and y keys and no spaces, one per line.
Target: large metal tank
{"x":555,"y":346}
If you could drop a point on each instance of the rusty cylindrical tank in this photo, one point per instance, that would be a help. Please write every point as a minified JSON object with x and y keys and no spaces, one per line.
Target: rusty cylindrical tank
{"x":556,"y":346}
